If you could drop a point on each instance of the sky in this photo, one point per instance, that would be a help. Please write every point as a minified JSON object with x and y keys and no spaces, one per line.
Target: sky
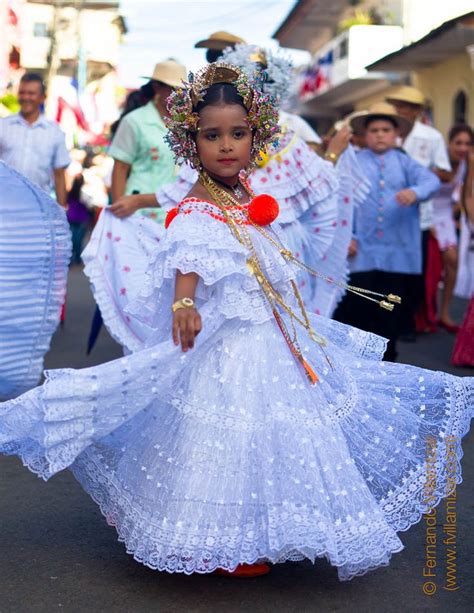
{"x":160,"y":29}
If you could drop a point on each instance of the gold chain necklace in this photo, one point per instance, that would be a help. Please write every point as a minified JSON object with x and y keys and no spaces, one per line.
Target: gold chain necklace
{"x":225,"y":202}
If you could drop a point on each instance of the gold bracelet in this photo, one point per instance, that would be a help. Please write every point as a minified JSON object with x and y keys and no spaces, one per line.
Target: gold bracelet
{"x":184,"y":303}
{"x":331,"y":157}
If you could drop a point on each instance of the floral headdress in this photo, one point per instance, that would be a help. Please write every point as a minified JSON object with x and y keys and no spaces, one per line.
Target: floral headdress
{"x":275,"y":68}
{"x":183,"y":120}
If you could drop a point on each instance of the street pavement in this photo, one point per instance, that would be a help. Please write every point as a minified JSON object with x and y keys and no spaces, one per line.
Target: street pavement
{"x":58,"y":554}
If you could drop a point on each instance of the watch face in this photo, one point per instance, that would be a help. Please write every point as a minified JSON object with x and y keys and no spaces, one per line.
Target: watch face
{"x":188,"y":302}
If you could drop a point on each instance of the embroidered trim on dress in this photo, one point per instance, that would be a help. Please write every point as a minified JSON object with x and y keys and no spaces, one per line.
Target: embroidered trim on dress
{"x":208,"y":207}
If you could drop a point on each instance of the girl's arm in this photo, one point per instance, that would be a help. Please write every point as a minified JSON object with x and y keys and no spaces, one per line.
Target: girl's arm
{"x":338,"y":144}
{"x":120,"y":174}
{"x":127,"y":205}
{"x":186,"y":321}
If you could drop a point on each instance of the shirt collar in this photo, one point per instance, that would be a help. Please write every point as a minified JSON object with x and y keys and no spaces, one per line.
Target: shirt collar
{"x":151,"y":114}
{"x":41,"y":122}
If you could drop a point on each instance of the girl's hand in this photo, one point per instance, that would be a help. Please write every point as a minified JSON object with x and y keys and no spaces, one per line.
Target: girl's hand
{"x":186,"y":326}
{"x":406,"y":197}
{"x":352,"y":251}
{"x":125,"y":206}
{"x":339,"y":142}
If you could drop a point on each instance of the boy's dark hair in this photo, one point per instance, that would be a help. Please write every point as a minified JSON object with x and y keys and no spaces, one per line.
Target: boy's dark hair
{"x":34,"y":77}
{"x":220,"y":93}
{"x":372,"y":118}
{"x":461,"y":128}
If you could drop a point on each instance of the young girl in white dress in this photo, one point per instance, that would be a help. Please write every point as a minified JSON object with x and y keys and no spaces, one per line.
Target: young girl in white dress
{"x":249,"y":431}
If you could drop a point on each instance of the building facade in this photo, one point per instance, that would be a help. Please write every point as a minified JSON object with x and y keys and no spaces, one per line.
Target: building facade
{"x":74,"y":45}
{"x":369,"y":33}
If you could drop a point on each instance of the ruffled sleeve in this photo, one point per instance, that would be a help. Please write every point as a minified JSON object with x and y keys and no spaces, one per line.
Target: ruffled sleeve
{"x":170,"y":194}
{"x":294,"y":175}
{"x":196,"y":241}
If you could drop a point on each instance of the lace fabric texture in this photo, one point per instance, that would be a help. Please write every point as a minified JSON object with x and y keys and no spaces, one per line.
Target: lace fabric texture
{"x":323,"y":296}
{"x":116,"y":261}
{"x":226,"y":454}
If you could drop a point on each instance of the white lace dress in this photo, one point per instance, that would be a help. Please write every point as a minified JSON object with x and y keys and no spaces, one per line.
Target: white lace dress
{"x":227,"y":454}
{"x":305,"y":186}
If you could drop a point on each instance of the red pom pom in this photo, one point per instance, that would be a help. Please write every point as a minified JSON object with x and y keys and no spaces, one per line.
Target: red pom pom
{"x":170,"y":215}
{"x":263,"y":210}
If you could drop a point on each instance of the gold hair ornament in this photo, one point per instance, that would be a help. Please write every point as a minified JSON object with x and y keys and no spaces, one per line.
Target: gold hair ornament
{"x":183,"y":119}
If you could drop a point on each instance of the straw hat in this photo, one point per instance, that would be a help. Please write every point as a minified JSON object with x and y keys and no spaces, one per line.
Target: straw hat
{"x":219,"y":41}
{"x":381,"y":109}
{"x":169,"y":72}
{"x":346,"y":121}
{"x":407,"y":93}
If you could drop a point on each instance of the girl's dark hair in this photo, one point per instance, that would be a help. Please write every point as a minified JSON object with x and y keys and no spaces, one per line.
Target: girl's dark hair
{"x":212,"y":55}
{"x":372,"y":118}
{"x":461,"y":128}
{"x":147,"y":92}
{"x":76,"y":187}
{"x":220,"y":93}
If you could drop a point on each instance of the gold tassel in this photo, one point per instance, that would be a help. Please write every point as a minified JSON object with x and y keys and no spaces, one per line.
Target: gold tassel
{"x":394,"y":298}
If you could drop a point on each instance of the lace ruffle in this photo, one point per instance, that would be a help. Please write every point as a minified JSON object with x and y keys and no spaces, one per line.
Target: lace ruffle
{"x":298,"y":178}
{"x":198,"y":243}
{"x":323,"y":296}
{"x":116,"y":260}
{"x":227,"y":455}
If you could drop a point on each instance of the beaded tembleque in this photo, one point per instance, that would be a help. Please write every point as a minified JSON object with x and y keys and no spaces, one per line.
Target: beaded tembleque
{"x":183,"y":120}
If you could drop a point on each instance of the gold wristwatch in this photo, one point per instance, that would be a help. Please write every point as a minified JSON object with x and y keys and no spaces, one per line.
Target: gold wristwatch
{"x":184,"y":303}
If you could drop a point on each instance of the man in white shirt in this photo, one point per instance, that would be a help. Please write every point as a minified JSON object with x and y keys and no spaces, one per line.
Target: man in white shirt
{"x":426,"y":145}
{"x":32,"y":144}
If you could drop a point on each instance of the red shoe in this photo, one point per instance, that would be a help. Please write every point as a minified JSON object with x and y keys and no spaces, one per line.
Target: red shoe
{"x":244,"y":571}
{"x":451,"y":328}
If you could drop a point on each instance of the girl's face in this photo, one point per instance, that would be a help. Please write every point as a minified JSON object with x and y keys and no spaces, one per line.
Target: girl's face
{"x":459,"y":146}
{"x":224,"y":140}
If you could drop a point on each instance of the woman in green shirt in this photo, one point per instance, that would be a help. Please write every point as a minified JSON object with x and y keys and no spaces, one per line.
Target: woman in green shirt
{"x":142,"y":159}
